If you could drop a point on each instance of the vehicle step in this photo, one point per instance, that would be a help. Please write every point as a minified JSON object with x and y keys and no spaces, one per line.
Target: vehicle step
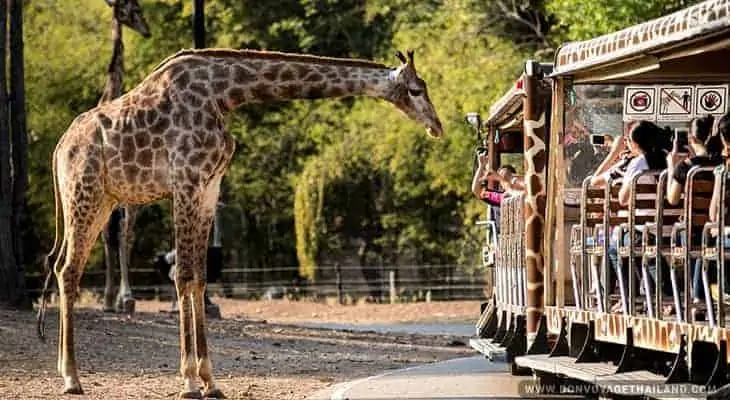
{"x":493,"y":351}
{"x":537,"y":362}
{"x":567,"y":366}
{"x":585,"y":371}
{"x":484,"y":318}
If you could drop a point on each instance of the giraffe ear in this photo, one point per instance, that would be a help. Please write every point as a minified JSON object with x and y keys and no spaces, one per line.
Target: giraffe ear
{"x":110,"y":3}
{"x":410,"y":56}
{"x":401,"y":57}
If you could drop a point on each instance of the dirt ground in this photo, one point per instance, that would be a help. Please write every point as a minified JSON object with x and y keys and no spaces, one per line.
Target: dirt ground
{"x":257,"y":352}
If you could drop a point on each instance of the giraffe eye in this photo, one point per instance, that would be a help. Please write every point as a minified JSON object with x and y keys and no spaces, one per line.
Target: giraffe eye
{"x":415,"y":92}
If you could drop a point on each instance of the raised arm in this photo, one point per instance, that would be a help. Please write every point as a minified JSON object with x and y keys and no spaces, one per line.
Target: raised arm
{"x":614,"y":155}
{"x":480,"y":174}
{"x":715,"y":202}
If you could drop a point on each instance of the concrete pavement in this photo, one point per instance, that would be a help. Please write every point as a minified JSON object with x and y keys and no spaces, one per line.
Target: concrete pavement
{"x":470,"y":378}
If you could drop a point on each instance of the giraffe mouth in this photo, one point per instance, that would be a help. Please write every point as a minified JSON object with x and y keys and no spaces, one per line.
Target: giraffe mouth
{"x":435,"y":132}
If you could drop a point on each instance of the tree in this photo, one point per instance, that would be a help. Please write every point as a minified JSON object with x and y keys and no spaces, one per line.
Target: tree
{"x":13,"y":158}
{"x":605,"y":16}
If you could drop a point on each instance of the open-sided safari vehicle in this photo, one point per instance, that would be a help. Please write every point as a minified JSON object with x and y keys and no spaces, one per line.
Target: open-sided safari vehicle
{"x":516,"y":133}
{"x":565,"y":327}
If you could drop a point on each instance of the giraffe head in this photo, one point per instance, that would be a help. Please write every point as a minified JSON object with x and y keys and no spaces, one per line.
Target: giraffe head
{"x":129,"y":13}
{"x":410,"y":95}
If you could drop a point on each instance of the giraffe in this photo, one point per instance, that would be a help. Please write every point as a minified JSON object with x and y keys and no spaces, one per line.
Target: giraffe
{"x":117,"y":234}
{"x":535,"y":134}
{"x":166,"y":138}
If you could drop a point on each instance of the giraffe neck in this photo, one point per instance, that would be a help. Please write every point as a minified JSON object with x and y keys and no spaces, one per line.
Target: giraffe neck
{"x":234,"y":78}
{"x":113,"y":88}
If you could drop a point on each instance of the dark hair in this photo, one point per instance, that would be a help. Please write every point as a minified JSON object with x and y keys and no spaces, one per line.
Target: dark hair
{"x":651,"y":139}
{"x":509,"y":168}
{"x":703,"y":132}
{"x":723,"y":127}
{"x":702,"y":127}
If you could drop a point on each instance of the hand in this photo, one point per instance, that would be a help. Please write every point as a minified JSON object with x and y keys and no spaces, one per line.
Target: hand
{"x":674,"y":158}
{"x":483,"y":159}
{"x":619,"y":146}
{"x":492,"y":176}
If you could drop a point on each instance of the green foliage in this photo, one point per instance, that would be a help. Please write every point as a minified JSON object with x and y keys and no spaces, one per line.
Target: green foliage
{"x":607,"y":16}
{"x":321,"y":181}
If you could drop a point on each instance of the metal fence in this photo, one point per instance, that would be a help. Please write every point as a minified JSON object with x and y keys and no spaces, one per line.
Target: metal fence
{"x":396,"y":283}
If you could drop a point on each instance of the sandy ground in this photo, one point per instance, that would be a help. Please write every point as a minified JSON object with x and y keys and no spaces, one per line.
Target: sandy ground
{"x":257,"y":352}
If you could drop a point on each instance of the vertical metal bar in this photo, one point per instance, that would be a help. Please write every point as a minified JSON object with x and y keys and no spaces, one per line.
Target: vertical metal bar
{"x":512,"y":253}
{"x":632,"y":232}
{"x":689,"y":204}
{"x":583,"y":234}
{"x":576,"y":280}
{"x":607,"y":239}
{"x":659,"y":222}
{"x":721,"y":239}
{"x":508,"y":265}
{"x":706,"y":288}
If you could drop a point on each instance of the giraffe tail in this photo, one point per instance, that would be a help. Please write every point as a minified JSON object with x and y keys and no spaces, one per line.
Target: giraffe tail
{"x":51,"y":258}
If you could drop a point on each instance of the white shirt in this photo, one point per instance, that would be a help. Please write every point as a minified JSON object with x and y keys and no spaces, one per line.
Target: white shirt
{"x":636,"y":166}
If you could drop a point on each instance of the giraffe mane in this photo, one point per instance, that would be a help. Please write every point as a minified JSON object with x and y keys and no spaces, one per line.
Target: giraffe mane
{"x":268,"y":55}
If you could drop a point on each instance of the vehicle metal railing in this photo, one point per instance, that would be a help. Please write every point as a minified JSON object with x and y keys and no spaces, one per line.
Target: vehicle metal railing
{"x":510,"y":270}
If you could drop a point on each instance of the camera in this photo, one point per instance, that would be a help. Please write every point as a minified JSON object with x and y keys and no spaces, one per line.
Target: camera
{"x":481,"y":151}
{"x":598,"y":140}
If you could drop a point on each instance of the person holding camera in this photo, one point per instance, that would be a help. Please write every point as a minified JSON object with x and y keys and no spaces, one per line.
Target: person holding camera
{"x":701,"y":146}
{"x":640,"y":150}
{"x":504,"y":181}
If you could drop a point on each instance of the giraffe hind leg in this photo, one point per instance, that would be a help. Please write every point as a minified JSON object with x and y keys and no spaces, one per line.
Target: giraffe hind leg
{"x":110,"y":239}
{"x":125,"y":299}
{"x":81,"y":231}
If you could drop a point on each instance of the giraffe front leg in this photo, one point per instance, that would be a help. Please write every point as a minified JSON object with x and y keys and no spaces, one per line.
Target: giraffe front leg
{"x":207,"y":213}
{"x":204,"y":364}
{"x":185,"y":220}
{"x":183,"y":285}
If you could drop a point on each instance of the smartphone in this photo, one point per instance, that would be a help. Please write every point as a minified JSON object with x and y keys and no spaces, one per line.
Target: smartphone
{"x":681,"y":141}
{"x":598,"y":140}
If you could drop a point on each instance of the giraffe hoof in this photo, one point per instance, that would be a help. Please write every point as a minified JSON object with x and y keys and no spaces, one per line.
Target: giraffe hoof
{"x":214,"y":394}
{"x":193,"y":394}
{"x":126,"y":306}
{"x":212,"y":311}
{"x":73,"y":389}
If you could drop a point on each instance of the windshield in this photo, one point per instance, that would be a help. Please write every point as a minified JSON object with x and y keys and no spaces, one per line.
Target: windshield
{"x":590,"y":110}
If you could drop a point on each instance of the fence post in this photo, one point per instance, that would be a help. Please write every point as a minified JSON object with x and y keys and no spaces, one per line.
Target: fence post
{"x":338,"y":282}
{"x":391,"y":280}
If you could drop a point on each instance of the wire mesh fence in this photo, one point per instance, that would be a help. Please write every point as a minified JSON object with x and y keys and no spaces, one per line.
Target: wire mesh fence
{"x":347,"y":283}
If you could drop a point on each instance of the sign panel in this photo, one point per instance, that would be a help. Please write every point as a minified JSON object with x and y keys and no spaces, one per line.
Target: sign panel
{"x":711,"y":100}
{"x":675,"y":103}
{"x":639,"y":103}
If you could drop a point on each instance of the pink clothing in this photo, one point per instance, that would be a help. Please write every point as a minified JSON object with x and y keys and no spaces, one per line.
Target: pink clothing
{"x":491,"y":197}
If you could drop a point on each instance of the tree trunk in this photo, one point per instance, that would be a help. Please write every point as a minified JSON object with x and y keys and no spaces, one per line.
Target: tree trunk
{"x":19,"y":143}
{"x":8,"y":268}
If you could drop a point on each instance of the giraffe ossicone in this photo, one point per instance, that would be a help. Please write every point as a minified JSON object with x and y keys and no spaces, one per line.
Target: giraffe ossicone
{"x":166,"y":139}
